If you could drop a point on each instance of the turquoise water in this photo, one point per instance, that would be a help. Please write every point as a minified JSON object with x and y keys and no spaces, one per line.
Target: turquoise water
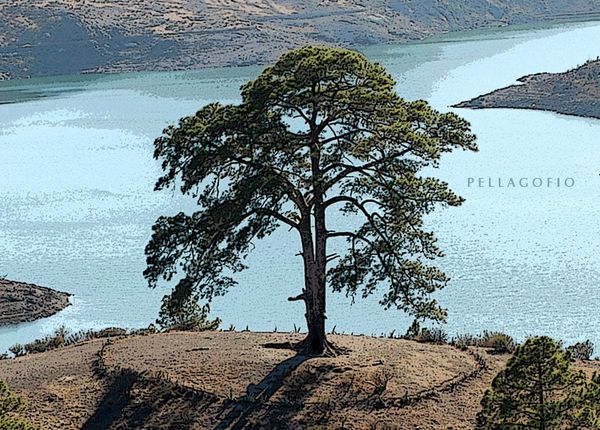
{"x":76,"y":199}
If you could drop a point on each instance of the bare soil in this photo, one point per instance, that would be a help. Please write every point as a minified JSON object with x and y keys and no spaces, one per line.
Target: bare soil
{"x":231,"y":380}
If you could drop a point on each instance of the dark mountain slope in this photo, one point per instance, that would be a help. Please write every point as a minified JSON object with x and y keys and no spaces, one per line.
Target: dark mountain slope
{"x":50,"y":37}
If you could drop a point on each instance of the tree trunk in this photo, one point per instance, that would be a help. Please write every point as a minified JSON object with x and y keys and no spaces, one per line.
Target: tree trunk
{"x":313,"y":295}
{"x":316,"y":340}
{"x":314,"y":249}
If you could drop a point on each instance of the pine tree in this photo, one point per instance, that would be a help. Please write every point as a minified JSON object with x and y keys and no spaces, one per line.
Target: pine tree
{"x":537,"y":390}
{"x":321,"y":131}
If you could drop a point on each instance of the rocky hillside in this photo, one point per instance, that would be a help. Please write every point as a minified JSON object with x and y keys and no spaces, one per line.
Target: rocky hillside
{"x":575,"y":92}
{"x":51,"y":37}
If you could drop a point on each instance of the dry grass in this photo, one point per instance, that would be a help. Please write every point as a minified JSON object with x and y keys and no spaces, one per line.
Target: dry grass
{"x":251,"y":380}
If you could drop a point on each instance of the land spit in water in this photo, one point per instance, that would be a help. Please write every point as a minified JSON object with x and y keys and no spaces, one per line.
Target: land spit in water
{"x":575,"y":92}
{"x":21,"y":302}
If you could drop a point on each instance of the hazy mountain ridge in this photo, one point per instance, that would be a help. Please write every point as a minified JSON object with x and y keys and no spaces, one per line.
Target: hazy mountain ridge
{"x":575,"y":92}
{"x":49,"y":37}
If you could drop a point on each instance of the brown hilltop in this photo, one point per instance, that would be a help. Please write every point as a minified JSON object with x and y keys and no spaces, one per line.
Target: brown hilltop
{"x":224,"y":380}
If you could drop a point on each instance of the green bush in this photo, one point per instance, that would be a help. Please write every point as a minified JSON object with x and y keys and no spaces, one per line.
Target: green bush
{"x":499,"y":343}
{"x":10,"y":406}
{"x":185,"y":315}
{"x":426,"y":335}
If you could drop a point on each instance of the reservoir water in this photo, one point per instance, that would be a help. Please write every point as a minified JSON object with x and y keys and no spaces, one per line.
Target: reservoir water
{"x":77,"y":201}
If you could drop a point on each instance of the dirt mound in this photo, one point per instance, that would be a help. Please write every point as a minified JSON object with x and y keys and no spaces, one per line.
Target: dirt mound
{"x":229,"y":380}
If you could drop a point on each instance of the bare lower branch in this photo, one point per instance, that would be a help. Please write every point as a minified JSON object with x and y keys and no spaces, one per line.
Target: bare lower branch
{"x":297,"y":298}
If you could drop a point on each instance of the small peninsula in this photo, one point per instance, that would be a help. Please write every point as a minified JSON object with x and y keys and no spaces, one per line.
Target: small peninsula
{"x":20,"y":302}
{"x":575,"y":92}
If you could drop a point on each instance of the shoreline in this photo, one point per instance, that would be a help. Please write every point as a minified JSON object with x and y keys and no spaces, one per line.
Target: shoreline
{"x":192,"y":38}
{"x":435,"y":37}
{"x":22,"y":302}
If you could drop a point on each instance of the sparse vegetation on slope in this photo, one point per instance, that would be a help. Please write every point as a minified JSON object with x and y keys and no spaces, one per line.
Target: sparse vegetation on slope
{"x":42,"y":37}
{"x":180,"y":380}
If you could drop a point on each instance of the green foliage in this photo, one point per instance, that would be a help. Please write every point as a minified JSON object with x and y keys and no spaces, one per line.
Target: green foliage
{"x":582,"y":350}
{"x":588,"y":413}
{"x":322,"y":130}
{"x":537,"y":390}
{"x":500,"y":343}
{"x":186,"y":316}
{"x":10,"y":405}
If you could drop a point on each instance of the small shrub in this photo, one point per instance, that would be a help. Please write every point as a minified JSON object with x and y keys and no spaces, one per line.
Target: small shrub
{"x":413,"y":331}
{"x":10,"y":405}
{"x":17,"y":349}
{"x":426,"y":335}
{"x":185,"y":314}
{"x":463,"y":341}
{"x":582,"y":350}
{"x":500,"y":343}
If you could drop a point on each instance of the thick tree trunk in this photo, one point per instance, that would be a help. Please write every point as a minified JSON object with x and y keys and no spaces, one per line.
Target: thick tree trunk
{"x":313,"y":295}
{"x":314,"y":250}
{"x":316,"y":340}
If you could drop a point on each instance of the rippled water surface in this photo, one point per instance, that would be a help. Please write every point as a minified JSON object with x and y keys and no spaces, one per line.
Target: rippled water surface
{"x":76,"y":199}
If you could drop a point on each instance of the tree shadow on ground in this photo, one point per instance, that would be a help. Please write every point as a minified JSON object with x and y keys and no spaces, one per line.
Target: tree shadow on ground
{"x":156,"y":404}
{"x":136,"y":400}
{"x":238,"y":412}
{"x":257,"y":410}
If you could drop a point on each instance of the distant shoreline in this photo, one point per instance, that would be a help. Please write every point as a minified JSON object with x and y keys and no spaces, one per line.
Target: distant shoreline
{"x":69,"y":38}
{"x":21,"y":302}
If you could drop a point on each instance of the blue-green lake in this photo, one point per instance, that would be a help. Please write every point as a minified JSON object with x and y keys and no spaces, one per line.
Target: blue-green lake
{"x":77,"y":201}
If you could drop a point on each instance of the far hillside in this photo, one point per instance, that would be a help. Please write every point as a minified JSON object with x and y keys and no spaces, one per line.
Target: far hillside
{"x":40,"y":37}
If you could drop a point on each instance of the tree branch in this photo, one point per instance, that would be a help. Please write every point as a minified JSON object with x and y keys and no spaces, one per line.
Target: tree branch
{"x":276,"y":215}
{"x":349,"y":169}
